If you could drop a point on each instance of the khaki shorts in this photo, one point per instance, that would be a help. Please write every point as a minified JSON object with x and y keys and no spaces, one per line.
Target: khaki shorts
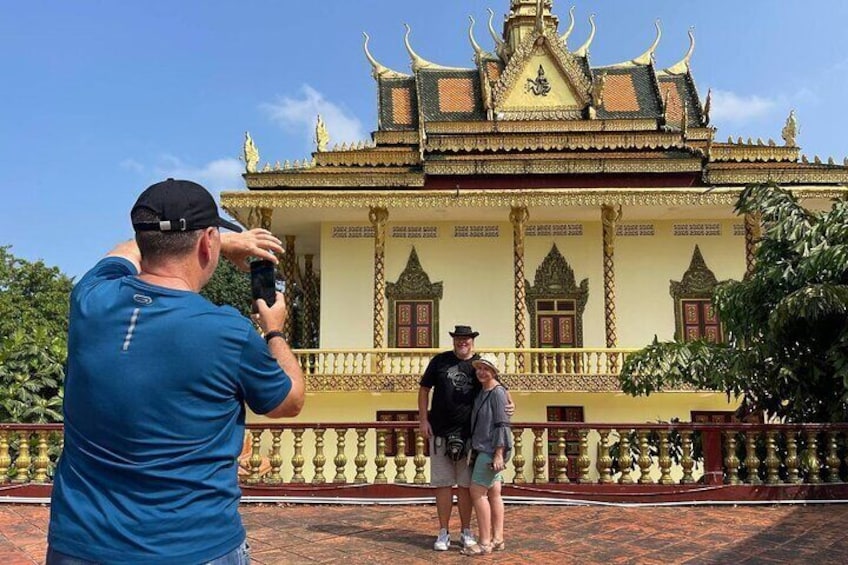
{"x":444,"y":471}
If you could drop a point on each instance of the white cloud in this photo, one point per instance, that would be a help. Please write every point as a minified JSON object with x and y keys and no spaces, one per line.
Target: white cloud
{"x":299,"y":115}
{"x":220,"y":174}
{"x":131,"y":165}
{"x":731,"y":108}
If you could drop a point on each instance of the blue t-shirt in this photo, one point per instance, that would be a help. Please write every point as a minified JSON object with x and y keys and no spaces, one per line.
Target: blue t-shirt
{"x":155,"y":390}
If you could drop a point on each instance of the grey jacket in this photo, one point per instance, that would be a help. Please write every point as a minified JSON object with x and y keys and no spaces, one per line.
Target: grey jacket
{"x":490,"y":424}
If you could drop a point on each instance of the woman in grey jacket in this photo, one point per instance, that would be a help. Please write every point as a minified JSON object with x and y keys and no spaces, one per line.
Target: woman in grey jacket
{"x":491,"y":446}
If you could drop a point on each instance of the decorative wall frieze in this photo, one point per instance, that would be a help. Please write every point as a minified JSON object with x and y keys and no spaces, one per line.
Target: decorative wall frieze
{"x":561,"y":166}
{"x":383,"y":137}
{"x":548,"y":142}
{"x":390,"y":179}
{"x":530,"y":113}
{"x":732,"y":176}
{"x":390,"y":157}
{"x":243,"y":199}
{"x":720,"y":152}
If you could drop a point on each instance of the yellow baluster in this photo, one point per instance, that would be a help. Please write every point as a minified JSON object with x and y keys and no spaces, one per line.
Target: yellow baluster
{"x":318,"y":460}
{"x":400,"y":456}
{"x":832,"y":459}
{"x":298,"y":460}
{"x":419,"y":460}
{"x":380,"y":461}
{"x":752,"y":462}
{"x":583,"y":460}
{"x":561,"y":458}
{"x":687,"y":462}
{"x":792,"y":460}
{"x":276,"y":459}
{"x":604,"y":463}
{"x":24,"y":460}
{"x":5,"y":458}
{"x":645,"y":461}
{"x":538,"y":456}
{"x":731,"y":462}
{"x":341,"y":459}
{"x":625,"y":458}
{"x":518,"y":455}
{"x":255,"y":460}
{"x":812,"y":458}
{"x":361,"y":458}
{"x":42,"y":461}
{"x":772,"y":460}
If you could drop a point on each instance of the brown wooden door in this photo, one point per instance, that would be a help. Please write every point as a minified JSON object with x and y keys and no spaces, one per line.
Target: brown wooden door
{"x":572,"y":440}
{"x":414,"y":323}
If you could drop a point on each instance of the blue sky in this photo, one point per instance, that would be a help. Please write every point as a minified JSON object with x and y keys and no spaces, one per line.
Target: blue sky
{"x":102,"y":98}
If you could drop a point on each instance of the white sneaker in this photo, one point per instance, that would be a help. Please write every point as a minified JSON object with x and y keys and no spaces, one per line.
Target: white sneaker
{"x":466,"y":538}
{"x":442,"y":541}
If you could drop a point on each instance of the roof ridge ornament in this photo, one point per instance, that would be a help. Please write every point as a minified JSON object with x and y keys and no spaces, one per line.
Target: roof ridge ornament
{"x":647,"y":57}
{"x":322,"y":138}
{"x":419,"y":62}
{"x":682,"y":67}
{"x":583,"y":50}
{"x":790,"y":130}
{"x":379,"y":71}
{"x":564,"y":37}
{"x":500,"y":47}
{"x":708,"y":103}
{"x":478,"y":51}
{"x":251,"y":154}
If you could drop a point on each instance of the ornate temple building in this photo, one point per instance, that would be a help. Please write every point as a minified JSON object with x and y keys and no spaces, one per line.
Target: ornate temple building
{"x":569,"y":213}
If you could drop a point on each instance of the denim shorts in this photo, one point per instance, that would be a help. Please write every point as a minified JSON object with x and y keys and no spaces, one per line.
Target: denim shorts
{"x":238,"y":556}
{"x":483,"y":473}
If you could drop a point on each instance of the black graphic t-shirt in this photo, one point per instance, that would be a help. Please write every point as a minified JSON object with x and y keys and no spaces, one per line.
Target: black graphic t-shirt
{"x":454,"y":383}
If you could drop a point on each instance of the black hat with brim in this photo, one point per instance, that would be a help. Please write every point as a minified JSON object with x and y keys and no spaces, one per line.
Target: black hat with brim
{"x":181,"y":205}
{"x":463,"y":331}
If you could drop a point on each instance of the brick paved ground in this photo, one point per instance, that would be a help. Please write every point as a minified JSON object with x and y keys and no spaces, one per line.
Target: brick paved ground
{"x":282,"y":534}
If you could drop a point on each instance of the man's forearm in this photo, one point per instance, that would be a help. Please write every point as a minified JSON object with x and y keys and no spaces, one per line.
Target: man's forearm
{"x":293,"y":403}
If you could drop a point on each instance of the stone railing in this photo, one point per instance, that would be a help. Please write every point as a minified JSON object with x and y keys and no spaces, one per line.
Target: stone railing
{"x":678,"y":461}
{"x":399,"y":370}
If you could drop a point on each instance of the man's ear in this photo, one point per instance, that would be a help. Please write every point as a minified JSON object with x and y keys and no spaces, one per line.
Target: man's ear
{"x":204,"y":245}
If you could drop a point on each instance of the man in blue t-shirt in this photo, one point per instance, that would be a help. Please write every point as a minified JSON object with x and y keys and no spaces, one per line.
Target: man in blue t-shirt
{"x":156,"y":387}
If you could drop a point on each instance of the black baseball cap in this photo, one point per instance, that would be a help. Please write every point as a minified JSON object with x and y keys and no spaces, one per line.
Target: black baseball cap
{"x":181,"y":205}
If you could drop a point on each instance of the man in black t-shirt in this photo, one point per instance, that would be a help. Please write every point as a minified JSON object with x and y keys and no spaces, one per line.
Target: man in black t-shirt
{"x":454,"y":383}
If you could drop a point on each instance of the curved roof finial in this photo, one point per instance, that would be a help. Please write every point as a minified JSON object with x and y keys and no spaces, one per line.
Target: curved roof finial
{"x":682,"y":67}
{"x":583,"y":50}
{"x":564,"y":36}
{"x":478,"y":51}
{"x":497,"y":39}
{"x":378,"y":70}
{"x":417,"y":61}
{"x":647,"y":57}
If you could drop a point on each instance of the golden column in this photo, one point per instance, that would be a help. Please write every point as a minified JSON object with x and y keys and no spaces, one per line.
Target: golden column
{"x":609,"y":217}
{"x":378,"y":218}
{"x":518,"y":216}
{"x":753,"y":233}
{"x":265,"y":216}
{"x":289,"y":265}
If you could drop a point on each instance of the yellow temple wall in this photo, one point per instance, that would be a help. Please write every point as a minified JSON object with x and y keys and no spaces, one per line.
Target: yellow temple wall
{"x":477,"y":277}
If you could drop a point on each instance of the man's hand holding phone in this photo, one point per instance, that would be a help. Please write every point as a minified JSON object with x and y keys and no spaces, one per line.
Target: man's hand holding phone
{"x":269,"y":305}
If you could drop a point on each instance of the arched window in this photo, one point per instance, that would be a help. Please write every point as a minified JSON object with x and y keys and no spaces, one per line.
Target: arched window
{"x":694,"y":315}
{"x":414,"y":307}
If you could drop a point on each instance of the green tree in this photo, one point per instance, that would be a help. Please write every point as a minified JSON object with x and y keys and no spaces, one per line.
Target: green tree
{"x":786,"y":324}
{"x":229,"y":286}
{"x":32,"y":295}
{"x":31,"y":376}
{"x":33,"y":339}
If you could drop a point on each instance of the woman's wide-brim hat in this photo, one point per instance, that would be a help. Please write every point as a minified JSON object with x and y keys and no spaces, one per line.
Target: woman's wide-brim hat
{"x":487,"y":360}
{"x":463,"y":331}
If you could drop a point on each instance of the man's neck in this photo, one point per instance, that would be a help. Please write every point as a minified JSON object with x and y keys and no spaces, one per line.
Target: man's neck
{"x":169,"y":276}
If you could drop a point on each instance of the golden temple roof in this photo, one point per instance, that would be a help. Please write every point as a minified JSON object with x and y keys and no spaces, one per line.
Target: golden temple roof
{"x":533,"y":107}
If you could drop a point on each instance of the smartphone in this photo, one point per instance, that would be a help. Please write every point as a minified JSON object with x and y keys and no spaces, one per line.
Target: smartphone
{"x":263,"y":281}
